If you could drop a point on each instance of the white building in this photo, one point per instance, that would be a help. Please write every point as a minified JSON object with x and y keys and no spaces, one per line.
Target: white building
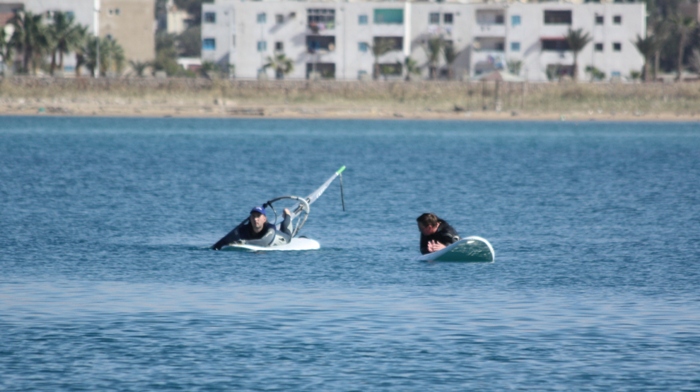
{"x":335,"y":38}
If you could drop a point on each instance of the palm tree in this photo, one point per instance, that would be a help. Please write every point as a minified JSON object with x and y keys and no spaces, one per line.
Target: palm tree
{"x":139,"y":67}
{"x":411,"y":67}
{"x":647,"y":48}
{"x":65,"y":36}
{"x":281,"y":64}
{"x":81,"y":48}
{"x":450,"y":56}
{"x":514,"y":66}
{"x":683,"y":26}
{"x":381,"y":46}
{"x":30,"y":38}
{"x":111,"y":56}
{"x":577,"y":40}
{"x":433,"y":49}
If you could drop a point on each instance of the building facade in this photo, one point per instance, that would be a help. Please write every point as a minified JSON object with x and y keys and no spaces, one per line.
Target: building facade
{"x":335,"y":39}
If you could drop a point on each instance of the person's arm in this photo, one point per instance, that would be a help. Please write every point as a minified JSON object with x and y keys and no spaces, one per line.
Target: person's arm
{"x":233,"y":236}
{"x":424,"y":245}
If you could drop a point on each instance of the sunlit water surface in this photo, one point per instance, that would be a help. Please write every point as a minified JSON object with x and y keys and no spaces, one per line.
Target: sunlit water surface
{"x":107,"y":282}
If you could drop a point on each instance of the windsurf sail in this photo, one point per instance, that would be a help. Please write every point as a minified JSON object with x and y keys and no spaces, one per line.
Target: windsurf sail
{"x":318,"y":192}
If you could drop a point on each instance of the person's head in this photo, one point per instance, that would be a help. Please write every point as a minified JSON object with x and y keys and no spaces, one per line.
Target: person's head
{"x":427,"y":223}
{"x":257,"y":218}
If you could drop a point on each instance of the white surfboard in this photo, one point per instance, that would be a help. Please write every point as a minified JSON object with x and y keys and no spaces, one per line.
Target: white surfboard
{"x":470,"y":249}
{"x":299,"y":243}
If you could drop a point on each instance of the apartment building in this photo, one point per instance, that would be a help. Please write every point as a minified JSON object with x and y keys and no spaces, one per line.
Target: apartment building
{"x":130,"y":22}
{"x":335,"y":39}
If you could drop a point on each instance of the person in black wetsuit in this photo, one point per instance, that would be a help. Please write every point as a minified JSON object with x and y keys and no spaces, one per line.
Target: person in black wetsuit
{"x":257,"y":230}
{"x":435,"y":234}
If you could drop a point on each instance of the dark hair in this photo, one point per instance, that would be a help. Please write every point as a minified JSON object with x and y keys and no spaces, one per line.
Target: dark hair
{"x":427,"y":219}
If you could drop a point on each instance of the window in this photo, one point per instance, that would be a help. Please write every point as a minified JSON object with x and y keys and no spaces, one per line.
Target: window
{"x":262,"y":18}
{"x":279,"y":46}
{"x":388,"y":16}
{"x":599,"y":20}
{"x":555,"y":44}
{"x":279,"y":18}
{"x":515,"y":46}
{"x":210,"y":17}
{"x":617,"y":47}
{"x":70,"y":15}
{"x":233,"y":41}
{"x":448,"y":18}
{"x":262,"y":46}
{"x":396,"y":42}
{"x":599,"y":47}
{"x":362,"y":19}
{"x":617,"y":19}
{"x":208,"y":44}
{"x":557,"y":17}
{"x":515,"y":20}
{"x":363,"y":47}
{"x":321,"y":18}
{"x":434,"y":18}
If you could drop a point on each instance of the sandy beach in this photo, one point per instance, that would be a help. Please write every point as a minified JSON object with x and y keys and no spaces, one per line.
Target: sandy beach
{"x":349,"y":100}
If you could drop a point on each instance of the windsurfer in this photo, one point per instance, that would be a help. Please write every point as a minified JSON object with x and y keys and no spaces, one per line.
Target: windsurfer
{"x":256,"y":230}
{"x":436,"y":233}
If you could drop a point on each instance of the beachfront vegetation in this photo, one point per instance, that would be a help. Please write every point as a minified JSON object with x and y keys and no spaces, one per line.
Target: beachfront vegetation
{"x":381,"y":46}
{"x":433,"y":48}
{"x":282,"y":65}
{"x":38,"y":37}
{"x":577,"y":40}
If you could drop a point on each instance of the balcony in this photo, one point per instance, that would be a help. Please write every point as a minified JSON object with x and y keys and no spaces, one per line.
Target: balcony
{"x":489,"y":30}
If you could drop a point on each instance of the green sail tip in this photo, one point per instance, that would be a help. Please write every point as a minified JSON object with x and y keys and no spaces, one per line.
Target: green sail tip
{"x":340,"y":170}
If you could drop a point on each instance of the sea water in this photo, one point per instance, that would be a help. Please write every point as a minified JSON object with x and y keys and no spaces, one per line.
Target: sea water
{"x":107,"y":282}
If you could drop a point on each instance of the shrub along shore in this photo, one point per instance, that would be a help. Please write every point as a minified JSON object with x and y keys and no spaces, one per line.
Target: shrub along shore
{"x":184,"y":97}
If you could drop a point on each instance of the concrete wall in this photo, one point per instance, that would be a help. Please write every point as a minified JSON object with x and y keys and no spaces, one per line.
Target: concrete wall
{"x":132,"y":24}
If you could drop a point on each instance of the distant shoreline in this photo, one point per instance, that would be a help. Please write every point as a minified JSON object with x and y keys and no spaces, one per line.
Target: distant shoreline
{"x":422,"y":100}
{"x":311,"y":112}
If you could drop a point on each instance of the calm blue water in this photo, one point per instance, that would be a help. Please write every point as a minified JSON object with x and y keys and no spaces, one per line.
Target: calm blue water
{"x":107,"y":283}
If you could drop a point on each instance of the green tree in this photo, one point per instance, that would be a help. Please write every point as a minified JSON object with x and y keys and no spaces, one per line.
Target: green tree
{"x":65,"y":36}
{"x":83,"y":39}
{"x":647,"y":48}
{"x":683,"y":26}
{"x":281,"y":64}
{"x":450,"y":54}
{"x":514,"y":66}
{"x":30,"y":37}
{"x":381,"y":47}
{"x":189,"y":43}
{"x":433,"y":49}
{"x":139,"y":67}
{"x":577,"y":40}
{"x":412,"y":67}
{"x":166,"y":54}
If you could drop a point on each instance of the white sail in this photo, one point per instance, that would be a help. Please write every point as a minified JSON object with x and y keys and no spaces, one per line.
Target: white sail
{"x":318,"y":192}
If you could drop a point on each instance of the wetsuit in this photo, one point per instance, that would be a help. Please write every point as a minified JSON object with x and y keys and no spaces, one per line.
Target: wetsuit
{"x":244,"y":234}
{"x":445,"y":235}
